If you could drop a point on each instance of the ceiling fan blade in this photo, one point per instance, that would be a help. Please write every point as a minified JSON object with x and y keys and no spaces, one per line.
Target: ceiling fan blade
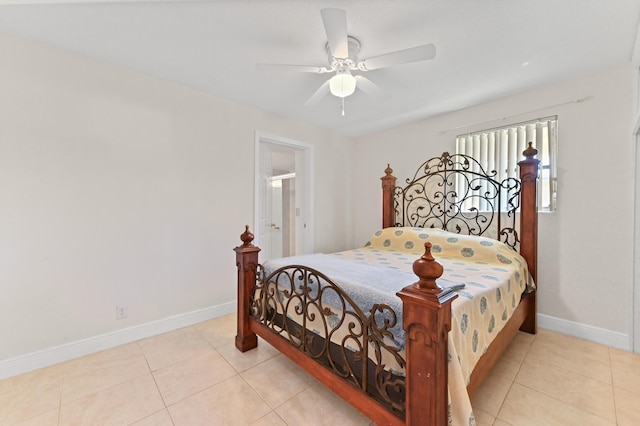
{"x":414,"y":54}
{"x":318,"y":94}
{"x":296,"y":68}
{"x":370,"y":88}
{"x":335,"y":25}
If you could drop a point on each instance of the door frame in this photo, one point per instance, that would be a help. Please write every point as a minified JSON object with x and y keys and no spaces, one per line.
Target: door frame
{"x":635,"y":286}
{"x":304,"y":173}
{"x":635,"y":280}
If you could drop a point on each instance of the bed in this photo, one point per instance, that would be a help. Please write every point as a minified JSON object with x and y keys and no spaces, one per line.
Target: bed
{"x":406,"y":327}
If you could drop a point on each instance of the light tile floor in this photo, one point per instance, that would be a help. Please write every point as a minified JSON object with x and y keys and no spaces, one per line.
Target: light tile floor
{"x":195,"y":376}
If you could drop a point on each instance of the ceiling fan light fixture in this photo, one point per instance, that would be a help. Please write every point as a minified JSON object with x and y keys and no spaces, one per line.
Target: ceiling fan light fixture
{"x":342,"y":84}
{"x":343,"y":52}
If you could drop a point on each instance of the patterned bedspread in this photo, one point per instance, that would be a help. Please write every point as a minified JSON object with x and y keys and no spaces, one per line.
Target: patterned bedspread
{"x":494,"y":278}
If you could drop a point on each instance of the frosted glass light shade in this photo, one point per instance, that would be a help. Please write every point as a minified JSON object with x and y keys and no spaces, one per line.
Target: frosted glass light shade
{"x":342,"y":84}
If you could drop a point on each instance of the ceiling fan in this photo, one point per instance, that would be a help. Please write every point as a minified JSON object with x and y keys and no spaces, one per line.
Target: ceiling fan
{"x":343,"y":52}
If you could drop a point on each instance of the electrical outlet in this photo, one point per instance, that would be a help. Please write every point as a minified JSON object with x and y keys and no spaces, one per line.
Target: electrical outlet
{"x":122,"y":312}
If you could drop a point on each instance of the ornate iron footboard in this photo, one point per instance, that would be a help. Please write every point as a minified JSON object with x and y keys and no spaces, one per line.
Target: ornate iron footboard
{"x":312,"y":313}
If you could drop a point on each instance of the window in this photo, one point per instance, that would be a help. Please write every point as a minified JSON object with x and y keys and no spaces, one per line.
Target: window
{"x":501,"y":149}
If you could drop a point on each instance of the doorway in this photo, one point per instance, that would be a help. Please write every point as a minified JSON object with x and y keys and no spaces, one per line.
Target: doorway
{"x":283,"y":194}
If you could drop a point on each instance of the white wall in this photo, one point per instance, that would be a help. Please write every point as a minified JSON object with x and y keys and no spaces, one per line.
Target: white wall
{"x":585,"y":247}
{"x":118,"y":188}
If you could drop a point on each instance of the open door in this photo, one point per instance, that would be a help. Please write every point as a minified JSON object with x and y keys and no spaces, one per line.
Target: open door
{"x":283,"y":197}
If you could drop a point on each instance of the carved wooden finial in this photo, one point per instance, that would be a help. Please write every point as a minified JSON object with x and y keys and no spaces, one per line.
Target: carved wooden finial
{"x":530,"y":152}
{"x":428,"y":270}
{"x":388,"y":170}
{"x":247,"y":237}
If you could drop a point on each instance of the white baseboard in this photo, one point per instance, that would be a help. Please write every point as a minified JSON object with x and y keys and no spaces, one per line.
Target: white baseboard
{"x":586,"y":332}
{"x":47,"y":357}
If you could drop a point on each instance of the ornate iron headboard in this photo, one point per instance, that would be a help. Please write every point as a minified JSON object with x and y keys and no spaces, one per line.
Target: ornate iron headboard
{"x":456,"y":194}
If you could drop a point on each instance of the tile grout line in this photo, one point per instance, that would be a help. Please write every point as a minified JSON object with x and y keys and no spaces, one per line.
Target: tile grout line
{"x":151,"y":371}
{"x":137,"y":342}
{"x":507,"y":394}
{"x":613,"y":387}
{"x":573,"y":372}
{"x":513,"y":380}
{"x":273,"y":410}
{"x":64,"y":375}
{"x":580,"y":373}
{"x":564,"y":402}
{"x":255,"y":390}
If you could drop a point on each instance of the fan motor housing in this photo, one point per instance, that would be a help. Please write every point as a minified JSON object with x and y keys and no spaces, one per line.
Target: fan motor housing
{"x":345,"y":64}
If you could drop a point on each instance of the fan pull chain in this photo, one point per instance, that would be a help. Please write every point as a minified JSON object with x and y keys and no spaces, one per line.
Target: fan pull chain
{"x":343,"y":107}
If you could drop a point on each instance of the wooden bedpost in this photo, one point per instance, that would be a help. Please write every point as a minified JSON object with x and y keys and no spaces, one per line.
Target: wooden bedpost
{"x":529,"y":226}
{"x":246,"y":261}
{"x":388,"y":188}
{"x":426,"y":318}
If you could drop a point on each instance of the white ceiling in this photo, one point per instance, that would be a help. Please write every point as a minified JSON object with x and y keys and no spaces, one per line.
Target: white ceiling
{"x":486,"y":49}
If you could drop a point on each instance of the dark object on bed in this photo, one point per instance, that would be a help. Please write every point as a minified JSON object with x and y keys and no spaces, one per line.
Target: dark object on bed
{"x":437,"y":196}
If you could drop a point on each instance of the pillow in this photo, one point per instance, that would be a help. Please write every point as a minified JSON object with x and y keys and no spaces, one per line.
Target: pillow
{"x":445,"y":245}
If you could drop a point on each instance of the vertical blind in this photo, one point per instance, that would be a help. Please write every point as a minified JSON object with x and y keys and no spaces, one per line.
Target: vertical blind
{"x":501,"y":148}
